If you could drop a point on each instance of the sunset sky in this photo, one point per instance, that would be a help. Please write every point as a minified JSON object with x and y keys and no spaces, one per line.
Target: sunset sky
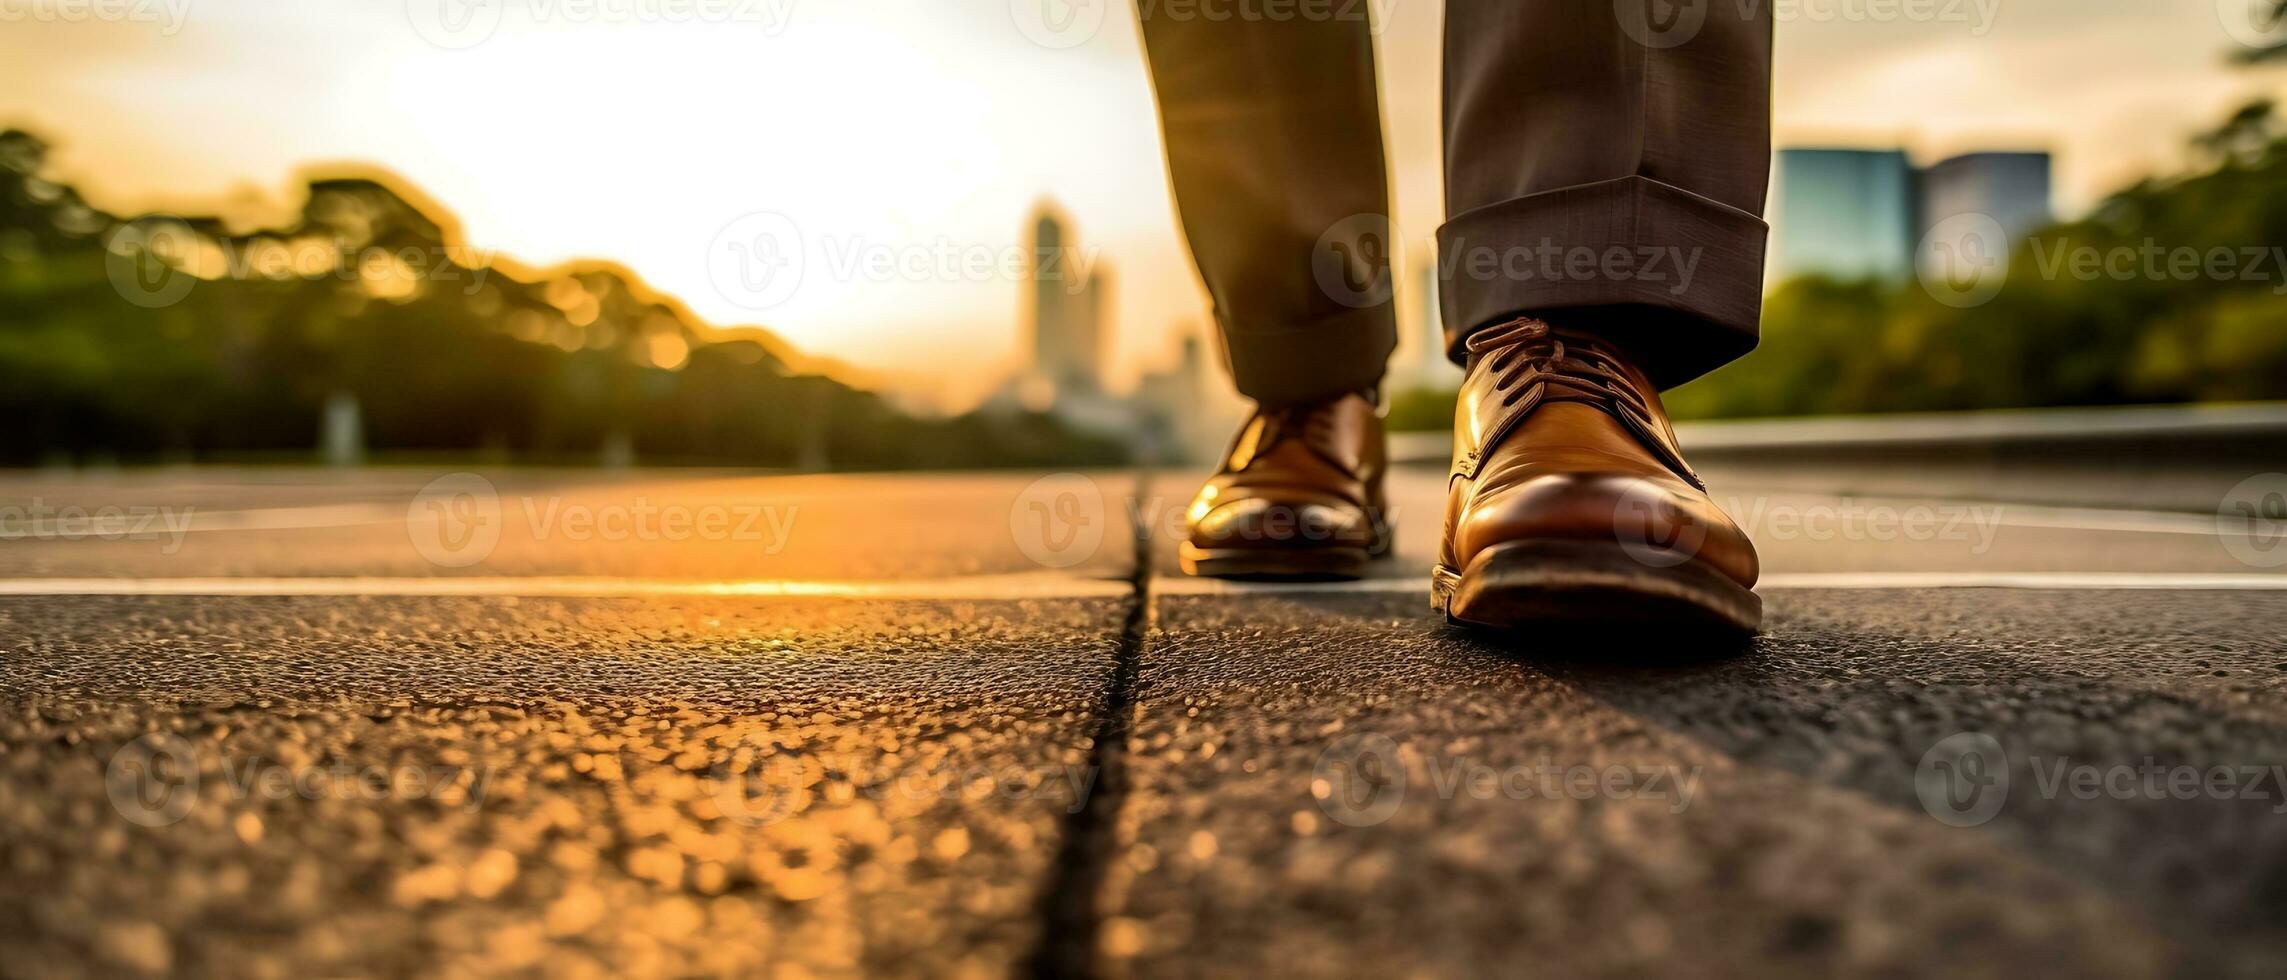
{"x":637,"y":131}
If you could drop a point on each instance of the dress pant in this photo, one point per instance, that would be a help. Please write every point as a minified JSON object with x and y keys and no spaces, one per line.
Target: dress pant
{"x":1606,"y":163}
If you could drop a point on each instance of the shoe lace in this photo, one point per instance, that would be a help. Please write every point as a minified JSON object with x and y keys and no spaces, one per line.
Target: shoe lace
{"x":1525,"y":352}
{"x":1311,"y":423}
{"x":1530,"y":360}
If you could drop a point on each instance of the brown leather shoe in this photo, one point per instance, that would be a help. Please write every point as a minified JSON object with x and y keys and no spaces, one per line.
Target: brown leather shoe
{"x":1299,"y":496}
{"x":1569,"y":502}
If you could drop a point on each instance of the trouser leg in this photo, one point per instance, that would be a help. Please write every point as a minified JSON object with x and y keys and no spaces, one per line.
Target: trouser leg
{"x":1606,"y":165}
{"x":1274,"y":142}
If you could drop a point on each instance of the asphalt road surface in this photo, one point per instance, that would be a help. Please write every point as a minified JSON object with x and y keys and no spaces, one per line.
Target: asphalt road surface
{"x":298,"y":722}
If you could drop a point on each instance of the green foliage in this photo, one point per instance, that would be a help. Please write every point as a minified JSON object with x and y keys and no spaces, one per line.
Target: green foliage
{"x":1420,"y":410}
{"x":2170,"y":291}
{"x":449,"y":356}
{"x":2272,"y":49}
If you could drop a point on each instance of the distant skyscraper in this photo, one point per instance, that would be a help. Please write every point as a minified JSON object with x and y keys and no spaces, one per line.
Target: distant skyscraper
{"x":1421,"y":360}
{"x":2010,"y":188}
{"x":1065,"y":311}
{"x":1096,"y":315}
{"x":1849,"y":214}
{"x":1183,"y":410}
{"x":1857,"y":214}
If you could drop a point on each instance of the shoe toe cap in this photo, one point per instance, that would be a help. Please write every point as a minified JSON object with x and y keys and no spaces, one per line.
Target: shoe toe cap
{"x":1259,"y":522}
{"x":1658,"y":520}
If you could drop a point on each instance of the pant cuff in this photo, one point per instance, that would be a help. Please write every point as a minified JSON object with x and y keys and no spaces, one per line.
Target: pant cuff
{"x":1313,"y":361}
{"x":1680,"y":274}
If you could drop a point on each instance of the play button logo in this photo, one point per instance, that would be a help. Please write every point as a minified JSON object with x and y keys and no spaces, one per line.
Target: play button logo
{"x":1963,"y":779}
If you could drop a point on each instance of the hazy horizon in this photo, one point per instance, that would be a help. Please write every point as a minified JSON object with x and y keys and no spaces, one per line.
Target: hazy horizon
{"x":919,"y":128}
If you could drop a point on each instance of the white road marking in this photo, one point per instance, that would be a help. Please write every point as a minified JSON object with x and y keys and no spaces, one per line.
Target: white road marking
{"x":297,"y":518}
{"x":2234,"y":581}
{"x":375,"y":514}
{"x":1037,"y":586}
{"x":114,"y":526}
{"x":333,"y":516}
{"x":977,"y":587}
{"x":2127,"y":521}
{"x":1809,"y":581}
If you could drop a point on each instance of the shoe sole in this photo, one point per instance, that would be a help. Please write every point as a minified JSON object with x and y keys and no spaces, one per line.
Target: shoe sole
{"x":1591,"y":584}
{"x":1277,"y":565}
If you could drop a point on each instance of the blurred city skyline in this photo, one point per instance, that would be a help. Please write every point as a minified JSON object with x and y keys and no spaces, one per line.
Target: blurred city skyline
{"x":907,"y":129}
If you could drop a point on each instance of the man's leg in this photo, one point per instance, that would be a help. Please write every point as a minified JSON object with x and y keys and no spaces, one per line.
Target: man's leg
{"x":1274,"y":139}
{"x":1606,"y":162}
{"x":1574,"y":128}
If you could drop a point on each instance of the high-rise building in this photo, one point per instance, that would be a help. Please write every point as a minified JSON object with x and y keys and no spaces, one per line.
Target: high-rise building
{"x":1065,"y":310}
{"x":1859,"y":214}
{"x":1183,"y":411}
{"x":1421,"y":361}
{"x":1849,"y":214}
{"x":2010,"y":188}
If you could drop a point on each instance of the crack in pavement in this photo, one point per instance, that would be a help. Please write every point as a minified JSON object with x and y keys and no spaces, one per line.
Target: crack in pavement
{"x":1070,"y":918}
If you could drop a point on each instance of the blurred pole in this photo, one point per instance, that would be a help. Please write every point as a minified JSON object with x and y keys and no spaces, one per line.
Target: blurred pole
{"x":811,"y":456}
{"x":342,"y":436}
